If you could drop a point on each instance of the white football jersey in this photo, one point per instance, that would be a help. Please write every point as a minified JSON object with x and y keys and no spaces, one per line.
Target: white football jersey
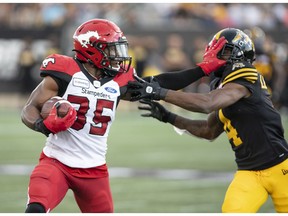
{"x":84,"y":145}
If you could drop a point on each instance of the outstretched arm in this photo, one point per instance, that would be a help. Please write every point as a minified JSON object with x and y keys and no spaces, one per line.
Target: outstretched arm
{"x":209,"y":102}
{"x":156,"y":88}
{"x":207,"y":129}
{"x":180,"y":79}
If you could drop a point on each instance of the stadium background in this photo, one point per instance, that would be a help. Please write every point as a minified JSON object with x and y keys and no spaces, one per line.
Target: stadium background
{"x":152,"y":168}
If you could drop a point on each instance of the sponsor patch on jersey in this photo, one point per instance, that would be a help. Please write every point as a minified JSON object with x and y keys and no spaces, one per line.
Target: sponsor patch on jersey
{"x":81,"y":83}
{"x":111,"y":90}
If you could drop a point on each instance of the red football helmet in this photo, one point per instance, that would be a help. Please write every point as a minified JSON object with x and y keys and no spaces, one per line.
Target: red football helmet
{"x":101,"y":43}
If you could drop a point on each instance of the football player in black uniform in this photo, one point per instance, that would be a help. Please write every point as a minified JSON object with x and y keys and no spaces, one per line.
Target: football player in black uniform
{"x":238,"y":104}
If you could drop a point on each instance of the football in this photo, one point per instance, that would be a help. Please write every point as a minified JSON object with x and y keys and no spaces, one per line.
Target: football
{"x":62,"y":109}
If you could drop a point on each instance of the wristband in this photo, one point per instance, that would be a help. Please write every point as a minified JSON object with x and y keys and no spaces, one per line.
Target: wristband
{"x":199,"y":72}
{"x":39,"y":126}
{"x":171,"y":118}
{"x":160,"y":93}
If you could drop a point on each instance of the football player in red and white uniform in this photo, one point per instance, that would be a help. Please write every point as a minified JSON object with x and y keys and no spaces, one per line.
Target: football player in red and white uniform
{"x":94,"y":81}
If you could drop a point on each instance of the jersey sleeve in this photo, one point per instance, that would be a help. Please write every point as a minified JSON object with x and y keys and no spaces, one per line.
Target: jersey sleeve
{"x":179,"y":79}
{"x":59,"y":66}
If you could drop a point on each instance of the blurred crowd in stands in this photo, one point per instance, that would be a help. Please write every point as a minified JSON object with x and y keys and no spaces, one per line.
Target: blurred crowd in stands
{"x":153,"y":54}
{"x":197,"y":15}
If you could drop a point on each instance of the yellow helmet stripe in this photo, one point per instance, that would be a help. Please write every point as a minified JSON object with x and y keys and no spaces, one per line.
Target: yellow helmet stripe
{"x":217,"y":35}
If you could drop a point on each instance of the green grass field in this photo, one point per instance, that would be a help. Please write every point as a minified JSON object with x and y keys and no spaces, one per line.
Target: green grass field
{"x":138,"y":143}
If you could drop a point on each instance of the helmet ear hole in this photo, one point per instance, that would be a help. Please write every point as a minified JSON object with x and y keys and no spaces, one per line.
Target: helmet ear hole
{"x":99,"y":46}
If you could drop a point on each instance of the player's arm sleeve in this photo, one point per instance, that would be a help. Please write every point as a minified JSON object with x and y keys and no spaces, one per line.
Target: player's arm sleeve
{"x":180,"y":79}
{"x":250,"y":86}
{"x":61,"y":79}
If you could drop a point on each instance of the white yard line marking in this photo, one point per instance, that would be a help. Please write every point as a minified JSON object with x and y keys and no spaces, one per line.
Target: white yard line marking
{"x":125,"y":172}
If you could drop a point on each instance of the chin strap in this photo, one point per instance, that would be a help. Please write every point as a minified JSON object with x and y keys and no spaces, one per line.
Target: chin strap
{"x":110,"y":73}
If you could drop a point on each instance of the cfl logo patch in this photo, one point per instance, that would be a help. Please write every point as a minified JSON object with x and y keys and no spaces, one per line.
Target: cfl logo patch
{"x":46,"y":62}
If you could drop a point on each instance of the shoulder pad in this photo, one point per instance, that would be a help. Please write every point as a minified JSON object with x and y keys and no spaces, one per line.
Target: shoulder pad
{"x":123,"y":78}
{"x":238,"y":70}
{"x":59,"y":63}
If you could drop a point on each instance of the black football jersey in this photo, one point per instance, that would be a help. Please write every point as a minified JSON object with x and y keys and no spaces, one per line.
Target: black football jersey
{"x":252,"y":124}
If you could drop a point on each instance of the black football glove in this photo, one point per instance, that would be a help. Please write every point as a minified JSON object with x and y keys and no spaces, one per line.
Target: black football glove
{"x":141,"y":89}
{"x":157,"y":111}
